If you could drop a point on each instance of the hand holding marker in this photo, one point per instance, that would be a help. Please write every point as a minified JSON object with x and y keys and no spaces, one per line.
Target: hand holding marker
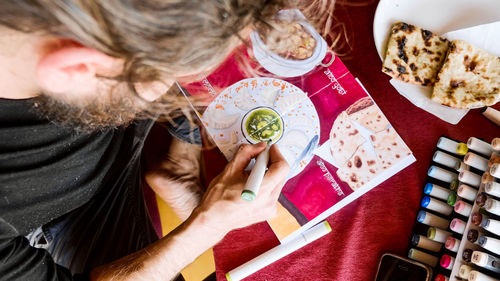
{"x":254,"y":180}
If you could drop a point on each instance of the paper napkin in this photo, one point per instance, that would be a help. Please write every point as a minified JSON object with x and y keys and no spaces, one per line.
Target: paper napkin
{"x":486,"y":37}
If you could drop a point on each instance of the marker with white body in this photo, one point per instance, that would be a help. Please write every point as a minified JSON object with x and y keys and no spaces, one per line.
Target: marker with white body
{"x":458,"y":225}
{"x":463,"y":208}
{"x":492,"y":188}
{"x":469,"y":178}
{"x":479,"y":146}
{"x":256,"y":176}
{"x":437,"y":234}
{"x":492,"y":206}
{"x":467,"y":192}
{"x":476,"y":161}
{"x":478,"y":276}
{"x":464,"y":271}
{"x":495,"y":170}
{"x":278,"y":252}
{"x":447,"y":144}
{"x":495,"y":144}
{"x":487,"y":261}
{"x":490,"y":244}
{"x":441,"y":174}
{"x":447,"y":160}
{"x":491,"y":225}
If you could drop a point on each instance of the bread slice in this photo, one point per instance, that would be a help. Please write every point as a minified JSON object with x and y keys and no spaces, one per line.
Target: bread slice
{"x":414,"y":55}
{"x":470,"y":78}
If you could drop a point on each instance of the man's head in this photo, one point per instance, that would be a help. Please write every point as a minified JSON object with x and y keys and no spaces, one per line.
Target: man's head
{"x":103,"y":62}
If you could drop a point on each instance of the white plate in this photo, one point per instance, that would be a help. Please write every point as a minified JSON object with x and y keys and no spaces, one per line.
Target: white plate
{"x":438,"y":16}
{"x":301,"y":122}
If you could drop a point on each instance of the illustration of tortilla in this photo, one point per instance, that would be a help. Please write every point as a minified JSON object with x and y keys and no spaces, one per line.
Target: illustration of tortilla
{"x":357,"y":165}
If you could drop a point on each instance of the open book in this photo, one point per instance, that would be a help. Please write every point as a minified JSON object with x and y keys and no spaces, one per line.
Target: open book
{"x":337,"y":141}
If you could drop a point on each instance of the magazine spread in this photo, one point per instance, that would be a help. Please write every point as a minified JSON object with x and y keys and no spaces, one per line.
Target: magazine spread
{"x":336,"y":140}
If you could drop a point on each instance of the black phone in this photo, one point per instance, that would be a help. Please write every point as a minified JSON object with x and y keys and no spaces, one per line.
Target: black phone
{"x":396,"y":268}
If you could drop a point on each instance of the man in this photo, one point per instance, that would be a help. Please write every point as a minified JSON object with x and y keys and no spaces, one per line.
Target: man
{"x":79,"y":80}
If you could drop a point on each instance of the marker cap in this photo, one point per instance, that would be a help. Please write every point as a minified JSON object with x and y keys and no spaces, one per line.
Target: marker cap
{"x":476,"y":218}
{"x":466,"y":255}
{"x":248,"y":195}
{"x":452,"y":199}
{"x":482,"y":240}
{"x":479,"y":258}
{"x":441,"y":277}
{"x":431,"y":232}
{"x":428,"y":188}
{"x":454,"y":184}
{"x":421,"y":216}
{"x":472,"y":235}
{"x":462,"y":148}
{"x":446,"y":261}
{"x":425,"y":201}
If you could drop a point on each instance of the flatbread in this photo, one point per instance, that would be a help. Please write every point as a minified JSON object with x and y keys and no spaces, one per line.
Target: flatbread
{"x":344,"y":139}
{"x":389,"y":147}
{"x":368,"y":115}
{"x":414,"y":55}
{"x":470,"y":78}
{"x":360,"y":169}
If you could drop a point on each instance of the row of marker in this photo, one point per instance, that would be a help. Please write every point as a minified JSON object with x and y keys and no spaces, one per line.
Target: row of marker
{"x":459,"y":197}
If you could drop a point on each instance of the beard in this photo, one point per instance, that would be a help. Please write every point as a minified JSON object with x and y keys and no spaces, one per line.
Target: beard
{"x":94,"y":115}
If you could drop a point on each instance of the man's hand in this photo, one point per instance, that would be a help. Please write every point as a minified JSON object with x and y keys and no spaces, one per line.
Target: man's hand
{"x":222,"y":207}
{"x":221,"y":210}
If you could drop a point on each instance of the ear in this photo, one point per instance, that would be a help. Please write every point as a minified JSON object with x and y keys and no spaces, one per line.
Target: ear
{"x":73,"y":67}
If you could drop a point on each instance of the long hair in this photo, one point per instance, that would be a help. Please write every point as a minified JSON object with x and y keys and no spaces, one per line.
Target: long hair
{"x":156,"y":38}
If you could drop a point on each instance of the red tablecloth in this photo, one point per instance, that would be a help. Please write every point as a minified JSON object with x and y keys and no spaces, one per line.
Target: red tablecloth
{"x":381,"y":220}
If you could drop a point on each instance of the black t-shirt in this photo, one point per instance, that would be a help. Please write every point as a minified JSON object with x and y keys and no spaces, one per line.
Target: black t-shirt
{"x":48,"y":171}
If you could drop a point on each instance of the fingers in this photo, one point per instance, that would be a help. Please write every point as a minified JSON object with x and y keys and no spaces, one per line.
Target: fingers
{"x":278,"y":169}
{"x":245,"y":153}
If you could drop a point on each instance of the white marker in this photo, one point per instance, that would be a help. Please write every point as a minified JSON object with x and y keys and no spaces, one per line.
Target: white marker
{"x":467,"y":192}
{"x":492,"y":114}
{"x":493,"y":206}
{"x":447,"y":144}
{"x":495,"y":144}
{"x":437,"y":191}
{"x":487,"y":177}
{"x":490,"y":244}
{"x":491,"y":225}
{"x":495,"y":158}
{"x":469,"y":178}
{"x":256,"y":176}
{"x":479,"y":146}
{"x":432,"y":220}
{"x":447,"y":160}
{"x":441,"y":174}
{"x":492,"y":188}
{"x":278,"y":252}
{"x":478,"y":276}
{"x":487,"y":261}
{"x":476,"y":161}
{"x":495,"y":170}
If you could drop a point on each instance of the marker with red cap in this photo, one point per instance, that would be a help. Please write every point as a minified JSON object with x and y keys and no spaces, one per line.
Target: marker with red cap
{"x":441,"y":277}
{"x":447,"y":262}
